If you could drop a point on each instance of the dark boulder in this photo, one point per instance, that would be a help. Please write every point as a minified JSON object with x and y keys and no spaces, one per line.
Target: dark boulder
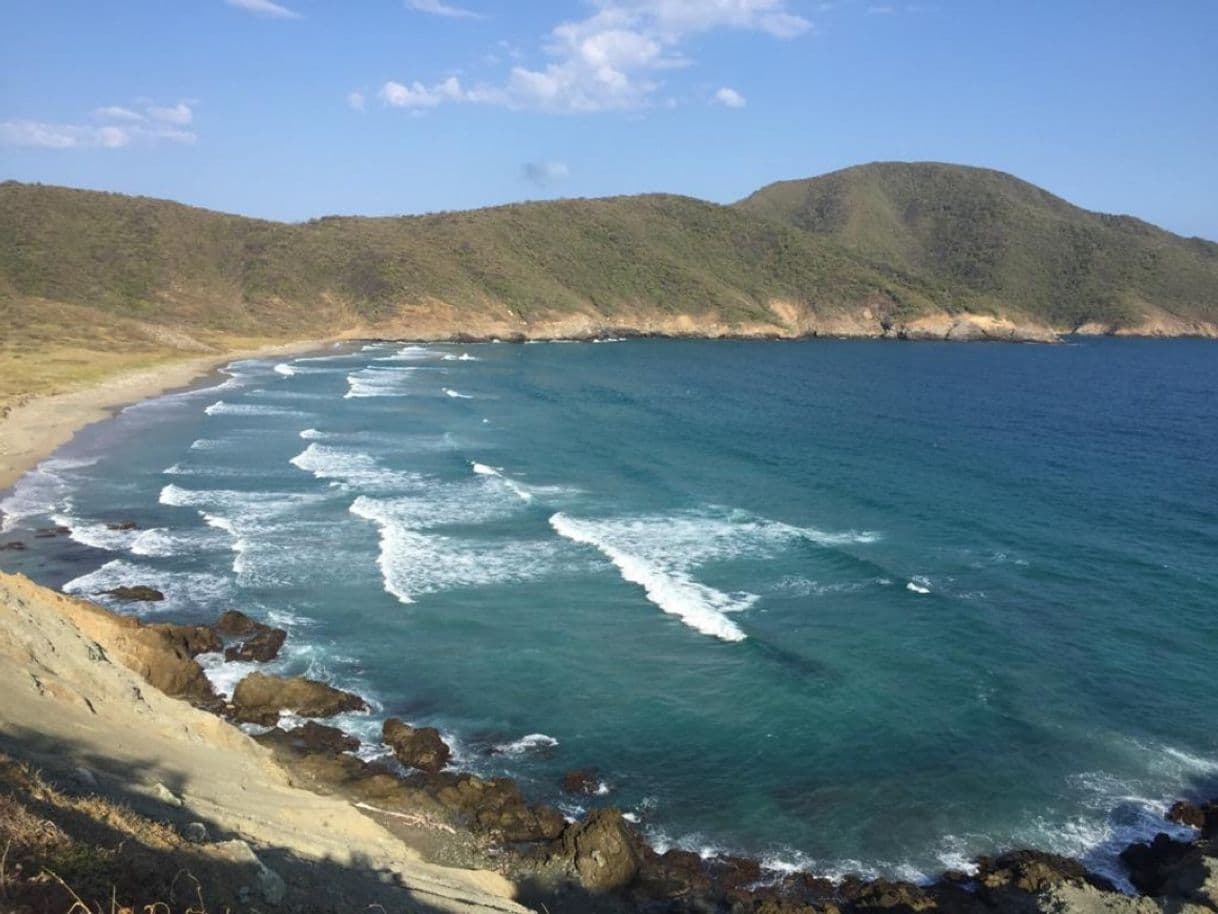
{"x":1186,"y":813}
{"x":258,"y":642}
{"x":260,"y":648}
{"x":13,"y":545}
{"x":1201,"y":816}
{"x":603,"y":850}
{"x":416,"y":747}
{"x":1152,"y":864}
{"x":581,"y":781}
{"x":259,"y":699}
{"x":136,"y":594}
{"x":315,"y":737}
{"x":123,"y":525}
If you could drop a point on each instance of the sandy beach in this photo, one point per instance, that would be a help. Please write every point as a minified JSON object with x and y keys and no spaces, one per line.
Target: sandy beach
{"x":34,"y":429}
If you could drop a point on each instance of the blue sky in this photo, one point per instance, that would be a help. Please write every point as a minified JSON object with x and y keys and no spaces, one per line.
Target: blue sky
{"x":301,"y":108}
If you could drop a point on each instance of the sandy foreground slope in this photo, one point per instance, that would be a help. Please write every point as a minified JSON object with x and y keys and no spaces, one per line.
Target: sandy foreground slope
{"x":66,"y":703}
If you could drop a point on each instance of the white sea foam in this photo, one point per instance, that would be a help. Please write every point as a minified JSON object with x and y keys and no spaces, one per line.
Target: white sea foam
{"x":463,"y":357}
{"x":312,"y":434}
{"x":670,"y":588}
{"x":96,"y":535}
{"x":919,"y":584}
{"x":377,"y":382}
{"x":184,"y":591}
{"x":530,"y":743}
{"x":411,"y":354}
{"x":42,"y":490}
{"x":526,"y":493}
{"x":354,"y":468}
{"x":250,"y":519}
{"x":222,"y":408}
{"x":413,"y":564}
{"x":456,"y":394}
{"x":285,"y":369}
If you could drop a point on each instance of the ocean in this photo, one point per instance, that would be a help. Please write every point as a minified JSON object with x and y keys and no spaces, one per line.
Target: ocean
{"x":844,"y":606}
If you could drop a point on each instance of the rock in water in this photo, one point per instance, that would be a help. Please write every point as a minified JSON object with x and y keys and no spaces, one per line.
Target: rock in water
{"x":259,"y":642}
{"x":138,"y":593}
{"x":420,"y":748}
{"x":315,"y":737}
{"x":603,"y":850}
{"x":259,"y":699}
{"x":582,"y":781}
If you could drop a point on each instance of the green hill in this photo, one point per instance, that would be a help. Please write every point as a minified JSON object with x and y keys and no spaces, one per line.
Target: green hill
{"x":984,"y":239}
{"x":625,"y":258}
{"x":91,"y":281}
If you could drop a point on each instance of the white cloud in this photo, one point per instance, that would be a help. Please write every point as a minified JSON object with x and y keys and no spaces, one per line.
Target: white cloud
{"x":356,"y":100}
{"x":117,"y":113}
{"x":437,"y":8}
{"x":264,"y":8}
{"x":730,"y":98}
{"x":180,"y":114}
{"x":120,"y":126}
{"x":612,"y":60}
{"x":543,"y":174}
{"x":417,"y":95}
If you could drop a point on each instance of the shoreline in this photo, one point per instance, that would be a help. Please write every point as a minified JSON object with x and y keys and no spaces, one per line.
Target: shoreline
{"x":39,"y":425}
{"x":107,"y":396}
{"x":43,"y":423}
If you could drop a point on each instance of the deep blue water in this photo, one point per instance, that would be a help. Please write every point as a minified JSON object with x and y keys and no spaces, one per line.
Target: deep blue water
{"x":844,"y":605}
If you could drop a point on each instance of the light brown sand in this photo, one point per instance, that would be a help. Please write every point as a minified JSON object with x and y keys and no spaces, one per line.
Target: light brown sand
{"x":35,"y":429}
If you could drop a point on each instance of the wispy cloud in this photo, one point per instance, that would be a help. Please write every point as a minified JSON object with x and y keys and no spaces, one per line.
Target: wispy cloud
{"x":611,"y":60}
{"x":544,"y":174}
{"x":417,"y":95}
{"x":436,"y":8}
{"x":114,"y":127}
{"x":730,"y":98}
{"x":357,"y":101}
{"x":264,"y":8}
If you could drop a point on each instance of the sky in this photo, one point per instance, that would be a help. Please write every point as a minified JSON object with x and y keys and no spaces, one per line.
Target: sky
{"x":291,"y":109}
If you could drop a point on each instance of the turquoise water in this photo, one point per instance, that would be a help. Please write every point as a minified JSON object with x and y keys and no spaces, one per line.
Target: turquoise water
{"x":848,"y":606}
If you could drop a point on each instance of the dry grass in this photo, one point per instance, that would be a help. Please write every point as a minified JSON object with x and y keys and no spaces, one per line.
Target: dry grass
{"x":67,"y":854}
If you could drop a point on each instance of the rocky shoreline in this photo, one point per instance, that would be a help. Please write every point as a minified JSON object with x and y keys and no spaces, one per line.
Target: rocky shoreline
{"x":601,"y":862}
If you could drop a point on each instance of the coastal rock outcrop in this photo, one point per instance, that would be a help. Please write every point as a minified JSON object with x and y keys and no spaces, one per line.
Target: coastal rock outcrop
{"x":496,"y":806}
{"x":603,"y":851}
{"x":416,"y":747}
{"x":258,"y":641}
{"x":315,"y":737}
{"x":259,"y":698}
{"x":191,"y":640}
{"x":1033,"y":871}
{"x":1201,"y":816}
{"x":139,"y":593}
{"x":581,"y":781}
{"x":1167,"y":868}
